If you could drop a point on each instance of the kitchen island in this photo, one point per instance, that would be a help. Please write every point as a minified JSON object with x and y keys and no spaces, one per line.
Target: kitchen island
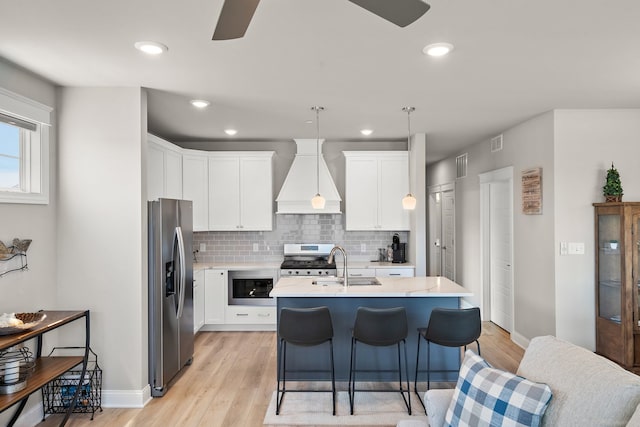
{"x":419,"y":295}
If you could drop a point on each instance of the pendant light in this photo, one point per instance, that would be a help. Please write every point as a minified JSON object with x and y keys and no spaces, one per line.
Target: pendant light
{"x":318,"y":201}
{"x":409,"y":201}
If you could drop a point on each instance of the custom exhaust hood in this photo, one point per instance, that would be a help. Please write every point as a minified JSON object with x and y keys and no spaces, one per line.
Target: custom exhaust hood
{"x":300,"y":185}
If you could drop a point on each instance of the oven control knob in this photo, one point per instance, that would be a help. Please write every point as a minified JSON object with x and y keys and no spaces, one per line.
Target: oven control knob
{"x":319,"y":273}
{"x":308,"y":273}
{"x":297,"y":272}
{"x":289,"y":273}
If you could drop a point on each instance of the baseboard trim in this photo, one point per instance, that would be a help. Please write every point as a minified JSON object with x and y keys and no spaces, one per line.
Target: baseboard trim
{"x":31,"y":416}
{"x":238,"y":328}
{"x":126,"y":398}
{"x":519,"y":339}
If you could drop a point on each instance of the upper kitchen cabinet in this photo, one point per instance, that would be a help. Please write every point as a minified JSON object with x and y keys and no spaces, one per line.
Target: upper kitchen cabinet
{"x":241,"y":191}
{"x":376,"y":182}
{"x":164,"y":169}
{"x":195,"y":187}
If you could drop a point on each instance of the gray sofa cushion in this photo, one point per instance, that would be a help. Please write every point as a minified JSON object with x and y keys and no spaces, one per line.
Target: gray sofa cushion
{"x":588,"y":390}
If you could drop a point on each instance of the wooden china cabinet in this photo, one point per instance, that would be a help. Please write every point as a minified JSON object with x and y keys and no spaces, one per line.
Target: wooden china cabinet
{"x":617,"y":227}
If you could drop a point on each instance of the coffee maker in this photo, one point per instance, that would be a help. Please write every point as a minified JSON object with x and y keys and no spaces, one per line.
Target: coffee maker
{"x":399,"y":250}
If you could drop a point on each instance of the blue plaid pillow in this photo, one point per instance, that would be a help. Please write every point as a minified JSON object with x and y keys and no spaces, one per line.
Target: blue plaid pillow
{"x":485,"y":396}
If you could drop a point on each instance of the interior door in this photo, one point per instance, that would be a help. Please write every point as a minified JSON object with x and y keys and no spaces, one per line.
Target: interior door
{"x":448,"y":235}
{"x":435,"y":234}
{"x":500,"y":218}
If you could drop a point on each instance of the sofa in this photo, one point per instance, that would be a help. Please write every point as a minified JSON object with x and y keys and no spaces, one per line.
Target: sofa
{"x":587,"y":389}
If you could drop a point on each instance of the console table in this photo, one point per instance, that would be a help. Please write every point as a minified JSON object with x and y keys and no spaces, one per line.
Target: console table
{"x":47,"y":368}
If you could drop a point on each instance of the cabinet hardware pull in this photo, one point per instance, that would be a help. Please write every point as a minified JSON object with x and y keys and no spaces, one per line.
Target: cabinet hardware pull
{"x":264,"y":314}
{"x":355,"y":274}
{"x":242,"y":314}
{"x":394,"y":274}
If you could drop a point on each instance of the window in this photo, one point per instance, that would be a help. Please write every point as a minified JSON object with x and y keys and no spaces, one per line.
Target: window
{"x":24,"y":150}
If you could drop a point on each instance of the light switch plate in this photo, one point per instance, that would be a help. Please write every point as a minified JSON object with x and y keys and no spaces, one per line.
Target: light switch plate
{"x":576,"y":248}
{"x":564,"y":248}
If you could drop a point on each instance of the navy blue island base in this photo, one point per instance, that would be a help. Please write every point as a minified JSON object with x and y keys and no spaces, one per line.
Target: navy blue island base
{"x":343,"y":312}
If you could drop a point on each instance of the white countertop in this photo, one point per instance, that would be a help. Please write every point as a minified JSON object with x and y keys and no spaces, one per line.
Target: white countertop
{"x":274,"y":264}
{"x":390,"y":287}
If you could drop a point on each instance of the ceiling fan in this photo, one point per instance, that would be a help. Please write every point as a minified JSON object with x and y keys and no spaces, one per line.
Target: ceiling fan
{"x":236,"y":14}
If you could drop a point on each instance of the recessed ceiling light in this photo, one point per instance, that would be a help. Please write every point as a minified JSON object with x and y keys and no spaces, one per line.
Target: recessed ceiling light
{"x":200,"y":103}
{"x":437,"y":49}
{"x":308,"y":121}
{"x":230,"y":132}
{"x":366,"y":132}
{"x":151,"y":48}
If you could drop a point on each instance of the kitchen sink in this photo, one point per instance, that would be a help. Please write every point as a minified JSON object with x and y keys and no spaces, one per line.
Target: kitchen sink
{"x":354,"y":281}
{"x":364,"y":281}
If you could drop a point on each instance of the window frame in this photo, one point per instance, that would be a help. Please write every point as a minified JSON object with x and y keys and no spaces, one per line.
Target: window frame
{"x":34,"y":153}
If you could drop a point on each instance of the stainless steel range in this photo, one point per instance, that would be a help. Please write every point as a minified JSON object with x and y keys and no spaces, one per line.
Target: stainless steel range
{"x":307,"y":259}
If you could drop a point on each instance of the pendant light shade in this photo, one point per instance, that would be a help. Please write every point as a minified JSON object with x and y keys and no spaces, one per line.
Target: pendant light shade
{"x":318,"y":202}
{"x":409,"y":201}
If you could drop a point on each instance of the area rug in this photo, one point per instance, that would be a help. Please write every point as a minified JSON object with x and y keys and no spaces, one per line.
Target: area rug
{"x":314,"y":409}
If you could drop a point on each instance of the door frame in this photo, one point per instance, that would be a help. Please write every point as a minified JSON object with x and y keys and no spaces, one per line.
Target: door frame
{"x":486,"y":179}
{"x":434,"y":196}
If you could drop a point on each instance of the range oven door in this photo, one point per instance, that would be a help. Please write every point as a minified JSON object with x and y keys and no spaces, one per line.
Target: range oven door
{"x":252,"y":287}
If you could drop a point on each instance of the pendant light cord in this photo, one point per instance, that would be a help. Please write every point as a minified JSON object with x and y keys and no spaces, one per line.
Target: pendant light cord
{"x":409,"y":110}
{"x":318,"y":149}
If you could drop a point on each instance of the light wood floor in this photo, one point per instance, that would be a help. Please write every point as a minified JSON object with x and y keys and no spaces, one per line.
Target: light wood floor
{"x":231,"y":381}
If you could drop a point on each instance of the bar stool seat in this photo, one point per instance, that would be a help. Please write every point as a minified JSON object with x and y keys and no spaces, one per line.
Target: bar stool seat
{"x":448,"y":327}
{"x":380,"y":327}
{"x":305,"y":327}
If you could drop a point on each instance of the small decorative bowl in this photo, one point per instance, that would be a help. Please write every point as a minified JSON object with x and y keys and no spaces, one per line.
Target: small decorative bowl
{"x":29,"y":321}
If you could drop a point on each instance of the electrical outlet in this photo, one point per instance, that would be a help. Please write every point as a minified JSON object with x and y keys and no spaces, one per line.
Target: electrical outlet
{"x":256,"y":247}
{"x":363,"y":247}
{"x":203,"y":247}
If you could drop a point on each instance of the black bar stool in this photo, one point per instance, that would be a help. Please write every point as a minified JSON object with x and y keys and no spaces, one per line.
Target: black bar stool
{"x":304,"y":327}
{"x":380,"y":328}
{"x":449,"y":327}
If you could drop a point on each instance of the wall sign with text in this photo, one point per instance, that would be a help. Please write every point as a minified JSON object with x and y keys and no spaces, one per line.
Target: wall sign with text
{"x":532,"y":191}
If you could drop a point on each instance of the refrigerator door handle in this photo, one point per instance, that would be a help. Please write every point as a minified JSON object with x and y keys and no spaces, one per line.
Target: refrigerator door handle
{"x":182,"y":277}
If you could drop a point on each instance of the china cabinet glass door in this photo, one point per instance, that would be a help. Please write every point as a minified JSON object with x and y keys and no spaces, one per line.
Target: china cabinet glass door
{"x":609,"y":268}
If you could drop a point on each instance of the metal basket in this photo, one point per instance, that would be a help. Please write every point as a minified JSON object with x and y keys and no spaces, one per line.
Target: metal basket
{"x":58,"y":394}
{"x":16,"y":365}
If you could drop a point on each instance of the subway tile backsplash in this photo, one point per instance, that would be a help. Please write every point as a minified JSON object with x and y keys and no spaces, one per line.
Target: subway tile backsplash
{"x":238,"y":246}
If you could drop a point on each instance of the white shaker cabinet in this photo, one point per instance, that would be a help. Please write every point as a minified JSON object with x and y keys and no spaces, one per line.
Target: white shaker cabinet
{"x":164,"y":169}
{"x":395,"y":272}
{"x":376,"y":182}
{"x":241,"y":191}
{"x":198,"y":300}
{"x":195,"y":187}
{"x":215,"y":296}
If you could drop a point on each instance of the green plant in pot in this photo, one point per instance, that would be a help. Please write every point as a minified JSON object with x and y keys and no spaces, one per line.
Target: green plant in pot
{"x":612,"y":189}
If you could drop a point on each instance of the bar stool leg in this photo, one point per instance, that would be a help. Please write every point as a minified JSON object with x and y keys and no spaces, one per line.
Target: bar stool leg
{"x":282,"y":369}
{"x":415,"y":381}
{"x":333,"y":378}
{"x":352,"y":375}
{"x":407,"y":401}
{"x":428,"y":366}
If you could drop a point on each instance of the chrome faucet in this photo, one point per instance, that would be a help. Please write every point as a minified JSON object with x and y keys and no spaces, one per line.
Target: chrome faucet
{"x":331,"y":260}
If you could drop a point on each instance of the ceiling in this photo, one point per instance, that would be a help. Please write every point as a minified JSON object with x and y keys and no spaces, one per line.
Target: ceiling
{"x":513,"y":59}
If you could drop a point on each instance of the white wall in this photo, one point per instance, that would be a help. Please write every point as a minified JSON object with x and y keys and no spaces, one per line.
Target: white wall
{"x":586,"y":144}
{"x":102,"y":226}
{"x":33,"y":289}
{"x":527,"y":145}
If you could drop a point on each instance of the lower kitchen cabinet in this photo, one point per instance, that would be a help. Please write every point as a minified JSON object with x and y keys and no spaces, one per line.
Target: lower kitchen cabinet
{"x":198,"y":300}
{"x":215,"y":296}
{"x":395,"y":272}
{"x":248,"y":314}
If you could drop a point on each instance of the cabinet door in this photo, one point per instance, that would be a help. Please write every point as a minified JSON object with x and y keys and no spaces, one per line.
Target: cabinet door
{"x":215,"y":296}
{"x":198,"y":299}
{"x":224,"y":193}
{"x":393,"y":186}
{"x":256,"y":193}
{"x":361,"y":188}
{"x":172,"y":175}
{"x":155,"y":171}
{"x":195,"y":188}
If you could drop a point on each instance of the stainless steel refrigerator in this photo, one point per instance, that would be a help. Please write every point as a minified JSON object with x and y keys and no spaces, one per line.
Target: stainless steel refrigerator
{"x":170,"y":291}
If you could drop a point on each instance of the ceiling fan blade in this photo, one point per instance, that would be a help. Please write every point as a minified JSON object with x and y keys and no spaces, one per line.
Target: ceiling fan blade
{"x":399,"y":12}
{"x":234,"y":19}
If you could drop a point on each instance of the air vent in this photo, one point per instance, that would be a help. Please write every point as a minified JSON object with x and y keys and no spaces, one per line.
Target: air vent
{"x":496,"y":143}
{"x":461,"y":166}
